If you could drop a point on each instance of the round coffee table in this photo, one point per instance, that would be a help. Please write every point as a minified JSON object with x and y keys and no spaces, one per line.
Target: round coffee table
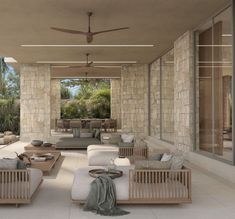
{"x":111,"y":173}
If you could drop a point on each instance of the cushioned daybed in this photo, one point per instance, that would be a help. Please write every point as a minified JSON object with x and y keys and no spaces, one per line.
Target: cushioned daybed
{"x":71,"y":143}
{"x":140,"y":186}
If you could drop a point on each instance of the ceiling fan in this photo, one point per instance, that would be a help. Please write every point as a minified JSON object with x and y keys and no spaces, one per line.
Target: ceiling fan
{"x":89,"y":34}
{"x":88,"y":64}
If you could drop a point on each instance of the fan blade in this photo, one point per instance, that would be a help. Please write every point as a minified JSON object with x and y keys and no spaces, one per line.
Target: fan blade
{"x":68,"y":31}
{"x":105,"y":31}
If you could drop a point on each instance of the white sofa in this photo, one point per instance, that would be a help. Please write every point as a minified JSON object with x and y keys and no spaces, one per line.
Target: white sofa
{"x":139,"y":186}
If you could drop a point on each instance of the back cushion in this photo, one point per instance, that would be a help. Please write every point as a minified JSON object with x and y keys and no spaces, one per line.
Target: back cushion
{"x":126,"y":138}
{"x":8,"y":164}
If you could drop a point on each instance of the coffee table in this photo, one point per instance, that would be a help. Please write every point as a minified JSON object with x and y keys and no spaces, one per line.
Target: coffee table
{"x":45,"y":166}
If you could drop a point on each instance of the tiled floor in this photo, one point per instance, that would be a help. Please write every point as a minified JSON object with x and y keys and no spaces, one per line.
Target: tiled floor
{"x":213,"y":198}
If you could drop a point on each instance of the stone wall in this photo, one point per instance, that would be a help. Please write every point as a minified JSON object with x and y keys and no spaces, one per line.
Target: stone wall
{"x":155,"y":99}
{"x":35,"y":110}
{"x":134,"y":102}
{"x":116,"y":101}
{"x":55,"y":101}
{"x":183,"y":92}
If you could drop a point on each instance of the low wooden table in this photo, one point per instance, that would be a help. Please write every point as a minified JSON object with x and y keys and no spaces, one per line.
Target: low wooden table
{"x":41,"y":148}
{"x":45,"y":166}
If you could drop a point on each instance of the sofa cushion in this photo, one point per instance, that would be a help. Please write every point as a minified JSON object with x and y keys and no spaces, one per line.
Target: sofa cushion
{"x":127,"y":138}
{"x":177,"y":162}
{"x":97,"y":133}
{"x":76,"y":142}
{"x":166,"y":157}
{"x":86,"y":135}
{"x":125,"y":144}
{"x":21,"y":164}
{"x":36,"y":178}
{"x":100,"y":155}
{"x":8,"y":164}
{"x":155,"y":157}
{"x":152,"y":165}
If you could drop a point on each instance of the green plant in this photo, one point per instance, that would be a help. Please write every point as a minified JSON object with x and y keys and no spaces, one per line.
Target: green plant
{"x":100,"y":104}
{"x":65,"y":92}
{"x":73,"y":109}
{"x":9,"y":115}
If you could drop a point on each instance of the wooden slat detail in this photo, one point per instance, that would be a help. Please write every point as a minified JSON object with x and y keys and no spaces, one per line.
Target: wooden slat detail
{"x":160,"y":186}
{"x":14,"y":186}
{"x":134,"y":152}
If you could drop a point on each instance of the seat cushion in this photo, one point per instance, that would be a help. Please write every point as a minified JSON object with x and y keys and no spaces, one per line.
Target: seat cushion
{"x":82,"y":181}
{"x":109,"y":147}
{"x":101,"y":156}
{"x":36,"y":178}
{"x":76,"y":142}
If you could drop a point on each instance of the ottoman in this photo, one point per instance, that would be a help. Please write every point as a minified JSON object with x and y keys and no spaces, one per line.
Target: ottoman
{"x":100,"y":155}
{"x":82,"y":181}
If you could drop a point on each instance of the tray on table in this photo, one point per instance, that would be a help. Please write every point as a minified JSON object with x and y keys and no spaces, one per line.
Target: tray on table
{"x":111,"y":173}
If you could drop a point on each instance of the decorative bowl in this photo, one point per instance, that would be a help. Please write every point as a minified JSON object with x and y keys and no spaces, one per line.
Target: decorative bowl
{"x":36,"y":143}
{"x":46,"y":144}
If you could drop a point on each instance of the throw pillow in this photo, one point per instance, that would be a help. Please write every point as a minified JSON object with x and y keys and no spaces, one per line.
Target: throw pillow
{"x":21,"y":164}
{"x":177,"y":162}
{"x":8,"y":164}
{"x":93,"y":133}
{"x":166,"y":157}
{"x":97,"y":133}
{"x":127,"y":138}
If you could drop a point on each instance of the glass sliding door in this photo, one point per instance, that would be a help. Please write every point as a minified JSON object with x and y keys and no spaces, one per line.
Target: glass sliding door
{"x":214,"y":82}
{"x":222,"y":65}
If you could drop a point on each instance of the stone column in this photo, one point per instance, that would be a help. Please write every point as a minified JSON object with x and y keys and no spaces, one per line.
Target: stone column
{"x":35,"y":97}
{"x":134,"y":100}
{"x":116,"y":101}
{"x":155,"y":98}
{"x":55,"y":101}
{"x":183,"y":92}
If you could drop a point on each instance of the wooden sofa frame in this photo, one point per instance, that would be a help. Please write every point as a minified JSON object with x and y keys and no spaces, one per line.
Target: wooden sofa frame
{"x":133,"y":152}
{"x":144,"y":187}
{"x":15,"y":187}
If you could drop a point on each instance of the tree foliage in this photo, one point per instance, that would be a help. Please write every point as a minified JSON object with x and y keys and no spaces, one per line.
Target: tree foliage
{"x":91,"y":100}
{"x":65,"y":92}
{"x":9,"y":91}
{"x":9,"y":115}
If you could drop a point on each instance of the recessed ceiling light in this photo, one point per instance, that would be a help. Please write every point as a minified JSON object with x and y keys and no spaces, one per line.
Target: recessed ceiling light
{"x":77,"y":45}
{"x":95,"y":66}
{"x":71,"y":77}
{"x":9,"y":60}
{"x":214,"y":45}
{"x":84,"y":62}
{"x":60,"y":66}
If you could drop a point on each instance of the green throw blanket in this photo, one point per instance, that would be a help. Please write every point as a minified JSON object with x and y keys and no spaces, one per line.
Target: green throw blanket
{"x":102,"y":198}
